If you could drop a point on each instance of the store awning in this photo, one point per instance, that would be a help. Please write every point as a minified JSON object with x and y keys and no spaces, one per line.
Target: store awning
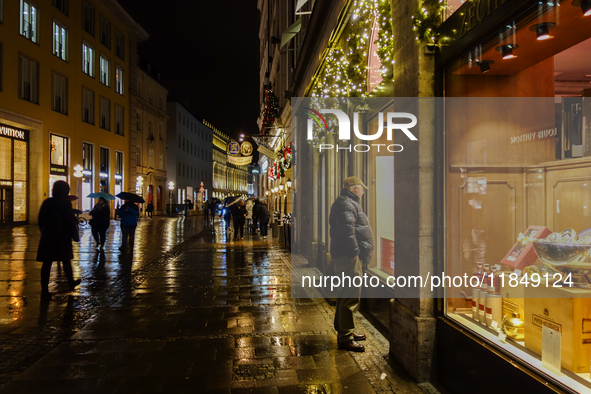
{"x":291,"y":32}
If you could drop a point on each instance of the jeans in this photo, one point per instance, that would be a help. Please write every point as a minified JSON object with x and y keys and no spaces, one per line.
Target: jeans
{"x":100,"y":234}
{"x":238,"y":226}
{"x":347,"y":297}
{"x":264,"y":225}
{"x":128,"y":231}
{"x":46,"y":272}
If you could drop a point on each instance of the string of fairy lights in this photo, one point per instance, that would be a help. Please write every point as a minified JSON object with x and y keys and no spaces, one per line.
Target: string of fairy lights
{"x":345,"y":67}
{"x":427,"y":19}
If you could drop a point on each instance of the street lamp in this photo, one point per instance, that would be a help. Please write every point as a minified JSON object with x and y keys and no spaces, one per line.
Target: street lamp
{"x":288,"y":183}
{"x":139,"y":182}
{"x":170,"y":188}
{"x":78,"y":174}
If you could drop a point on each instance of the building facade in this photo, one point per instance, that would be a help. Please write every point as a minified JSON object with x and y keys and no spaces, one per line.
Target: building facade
{"x":228,"y":179}
{"x":150,"y":150}
{"x":189,"y":156}
{"x":503,"y":163}
{"x":65,"y":102}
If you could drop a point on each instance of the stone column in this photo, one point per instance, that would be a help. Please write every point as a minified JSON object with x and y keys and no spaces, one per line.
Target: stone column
{"x":412,"y":320}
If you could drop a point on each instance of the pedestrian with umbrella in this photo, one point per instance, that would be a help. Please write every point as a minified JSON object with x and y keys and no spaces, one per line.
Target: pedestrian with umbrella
{"x":129,"y":213}
{"x":58,"y":228}
{"x":101,"y":218}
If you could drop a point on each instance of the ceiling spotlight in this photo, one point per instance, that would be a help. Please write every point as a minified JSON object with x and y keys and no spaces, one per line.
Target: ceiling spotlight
{"x":507,"y":50}
{"x":484,"y":65}
{"x":543,"y":30}
{"x":585,"y":6}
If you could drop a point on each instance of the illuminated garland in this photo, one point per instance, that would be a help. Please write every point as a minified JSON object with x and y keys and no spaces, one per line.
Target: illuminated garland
{"x":427,"y":20}
{"x":345,"y":69}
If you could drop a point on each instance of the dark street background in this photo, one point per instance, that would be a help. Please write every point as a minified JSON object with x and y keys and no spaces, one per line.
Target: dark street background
{"x":207,"y":53}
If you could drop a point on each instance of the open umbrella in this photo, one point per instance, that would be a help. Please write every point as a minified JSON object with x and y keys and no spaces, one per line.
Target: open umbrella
{"x":106,"y":196}
{"x":131,"y":197}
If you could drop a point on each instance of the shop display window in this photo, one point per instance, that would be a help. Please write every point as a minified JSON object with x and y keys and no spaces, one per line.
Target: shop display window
{"x":518,"y":191}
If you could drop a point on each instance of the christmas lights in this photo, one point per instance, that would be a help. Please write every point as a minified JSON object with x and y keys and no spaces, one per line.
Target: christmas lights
{"x":345,"y":66}
{"x":427,"y":19}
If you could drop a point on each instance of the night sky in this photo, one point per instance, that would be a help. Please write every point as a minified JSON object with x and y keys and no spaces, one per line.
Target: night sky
{"x":207,"y":52}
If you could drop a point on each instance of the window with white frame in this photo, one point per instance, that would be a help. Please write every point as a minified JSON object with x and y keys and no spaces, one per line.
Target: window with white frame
{"x":59,"y":92}
{"x":105,"y":70}
{"x":87,"y":105}
{"x":105,"y":32}
{"x":62,"y":5}
{"x":87,"y":59}
{"x":119,"y":44}
{"x":29,"y":25}
{"x":60,"y":40}
{"x":119,"y":120}
{"x":28,"y":79}
{"x":150,"y":158}
{"x":104,"y":113}
{"x":119,"y":80}
{"x":88,"y":19}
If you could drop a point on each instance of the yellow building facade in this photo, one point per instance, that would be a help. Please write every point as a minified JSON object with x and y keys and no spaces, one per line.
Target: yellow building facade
{"x":64,"y":101}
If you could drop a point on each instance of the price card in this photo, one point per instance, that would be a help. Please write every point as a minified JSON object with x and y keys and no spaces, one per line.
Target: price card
{"x":502,"y":336}
{"x":551,"y":349}
{"x":518,"y":272}
{"x":494,"y":325}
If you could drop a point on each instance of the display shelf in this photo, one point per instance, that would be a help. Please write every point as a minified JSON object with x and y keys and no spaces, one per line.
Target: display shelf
{"x":580,"y":382}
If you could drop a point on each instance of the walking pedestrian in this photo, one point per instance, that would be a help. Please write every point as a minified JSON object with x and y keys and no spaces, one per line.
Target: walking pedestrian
{"x":101,"y":218}
{"x":213,"y":206}
{"x":351,"y":243}
{"x":227,"y":216}
{"x":249,"y":207}
{"x":239,"y":219}
{"x":129,"y":213}
{"x":205,"y":208}
{"x":150,"y":210}
{"x":263,"y":215}
{"x":58,"y":227}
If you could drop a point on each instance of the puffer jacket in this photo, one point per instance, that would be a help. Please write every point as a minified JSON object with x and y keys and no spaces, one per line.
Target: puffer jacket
{"x":350,"y":232}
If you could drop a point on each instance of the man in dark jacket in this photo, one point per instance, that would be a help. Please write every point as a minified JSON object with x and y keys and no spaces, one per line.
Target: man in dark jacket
{"x":263,"y":215}
{"x":101,"y":218}
{"x":128,"y":213}
{"x":58,"y":227}
{"x":351,"y":243}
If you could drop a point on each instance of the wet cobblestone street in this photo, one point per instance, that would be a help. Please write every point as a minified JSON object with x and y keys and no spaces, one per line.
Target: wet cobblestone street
{"x":189,"y":311}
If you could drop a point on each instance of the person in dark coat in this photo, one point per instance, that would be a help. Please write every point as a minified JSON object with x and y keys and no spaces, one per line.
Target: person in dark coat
{"x":59,"y":227}
{"x":227,"y":215}
{"x":351,"y":242}
{"x":129,"y":213}
{"x":263,"y":215}
{"x":239,"y":215}
{"x":150,"y":210}
{"x":101,"y":218}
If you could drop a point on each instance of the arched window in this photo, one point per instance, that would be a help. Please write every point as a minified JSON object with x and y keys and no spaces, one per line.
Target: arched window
{"x":138,"y":156}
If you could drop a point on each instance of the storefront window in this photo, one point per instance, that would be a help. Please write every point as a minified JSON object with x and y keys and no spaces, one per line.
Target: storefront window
{"x":58,"y":170}
{"x":13,"y":175}
{"x":118,"y":172}
{"x":104,"y":170}
{"x":87,"y":176}
{"x":517,"y":191}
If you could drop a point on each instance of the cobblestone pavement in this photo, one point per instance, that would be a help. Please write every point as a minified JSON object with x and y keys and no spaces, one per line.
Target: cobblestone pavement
{"x":29,"y":328}
{"x":212,"y":315}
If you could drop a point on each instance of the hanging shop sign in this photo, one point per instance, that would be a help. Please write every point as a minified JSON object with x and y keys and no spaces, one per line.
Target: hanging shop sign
{"x":58,"y":170}
{"x":11,"y":132}
{"x":246,"y":148}
{"x":239,"y":161}
{"x":233,"y":148}
{"x":267,"y":152}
